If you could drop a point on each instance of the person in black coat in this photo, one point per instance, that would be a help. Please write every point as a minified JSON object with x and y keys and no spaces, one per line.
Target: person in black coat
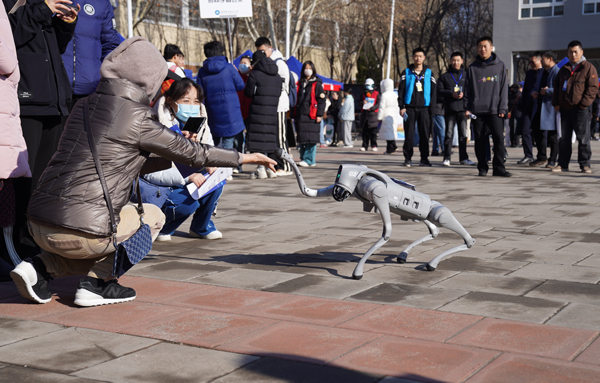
{"x":264,"y":88}
{"x":42,"y":31}
{"x":514,"y":113}
{"x":309,"y":112}
{"x":333,"y":111}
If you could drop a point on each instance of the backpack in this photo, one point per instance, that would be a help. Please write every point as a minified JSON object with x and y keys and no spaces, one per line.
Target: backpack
{"x":293,"y":92}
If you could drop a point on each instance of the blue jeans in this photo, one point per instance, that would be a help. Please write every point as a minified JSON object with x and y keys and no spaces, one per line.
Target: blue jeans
{"x":439,"y":132}
{"x":308,"y":153}
{"x":226,"y":142}
{"x":180,"y":205}
{"x":322,"y":134}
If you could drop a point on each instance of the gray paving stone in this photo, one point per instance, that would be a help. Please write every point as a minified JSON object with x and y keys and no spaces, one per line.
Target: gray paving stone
{"x":19,"y":374}
{"x":577,"y":315}
{"x":174,"y":270}
{"x":474,"y":264}
{"x":559,"y":272}
{"x":325,"y":287}
{"x":246,"y":279}
{"x":408,"y":295}
{"x":326,"y":267}
{"x":568,"y":292}
{"x":14,"y":330}
{"x":168,"y":363}
{"x":490,"y":283}
{"x":269,"y":370}
{"x":409,"y":275}
{"x":591,"y":261}
{"x":270,"y":262}
{"x":70,"y":349}
{"x":503,"y":306}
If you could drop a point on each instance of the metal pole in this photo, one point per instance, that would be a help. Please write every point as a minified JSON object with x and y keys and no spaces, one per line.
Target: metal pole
{"x":287,"y":30}
{"x":129,"y":19}
{"x":389,"y":59}
{"x":230,"y":40}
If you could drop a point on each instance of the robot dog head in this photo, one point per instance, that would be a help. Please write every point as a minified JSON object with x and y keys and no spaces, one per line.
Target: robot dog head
{"x":346,"y":181}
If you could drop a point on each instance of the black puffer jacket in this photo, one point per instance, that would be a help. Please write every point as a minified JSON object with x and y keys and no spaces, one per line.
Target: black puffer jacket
{"x":308,"y":130}
{"x":264,"y":87}
{"x":446,"y":84}
{"x":40,"y":38}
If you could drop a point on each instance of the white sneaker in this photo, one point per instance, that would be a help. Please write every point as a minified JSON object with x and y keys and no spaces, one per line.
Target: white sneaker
{"x":374,"y":149}
{"x":362,"y":149}
{"x":281,"y":173}
{"x":303,"y":164}
{"x":236,"y":171}
{"x":229,"y":178}
{"x":163,"y":238}
{"x":261,"y":173}
{"x":271,"y":174}
{"x":446,"y":163}
{"x":315,"y":164}
{"x":212,"y":235}
{"x":348,"y":146}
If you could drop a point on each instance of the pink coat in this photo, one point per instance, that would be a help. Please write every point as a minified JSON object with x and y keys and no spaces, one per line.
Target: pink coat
{"x":13,"y":150}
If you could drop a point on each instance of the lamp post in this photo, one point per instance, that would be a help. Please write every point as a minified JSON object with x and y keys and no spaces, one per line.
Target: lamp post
{"x":129,"y":20}
{"x":389,"y":58}
{"x":287,"y":30}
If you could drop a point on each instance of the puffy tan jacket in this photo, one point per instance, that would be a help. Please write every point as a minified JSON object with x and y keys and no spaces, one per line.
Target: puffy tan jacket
{"x":126,"y":130}
{"x":582,"y":86}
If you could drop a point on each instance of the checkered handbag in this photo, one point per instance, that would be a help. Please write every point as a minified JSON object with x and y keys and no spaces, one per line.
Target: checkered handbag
{"x":136,"y":247}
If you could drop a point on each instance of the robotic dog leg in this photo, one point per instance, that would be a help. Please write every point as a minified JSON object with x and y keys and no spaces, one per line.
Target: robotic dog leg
{"x":433,"y":232}
{"x":444,"y":217}
{"x":380,"y":200}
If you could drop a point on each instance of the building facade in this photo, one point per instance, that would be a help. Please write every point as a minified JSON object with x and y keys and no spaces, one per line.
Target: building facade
{"x":522,"y":27}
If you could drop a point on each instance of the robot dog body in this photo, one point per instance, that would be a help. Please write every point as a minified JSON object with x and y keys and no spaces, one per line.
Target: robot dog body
{"x":387,"y":195}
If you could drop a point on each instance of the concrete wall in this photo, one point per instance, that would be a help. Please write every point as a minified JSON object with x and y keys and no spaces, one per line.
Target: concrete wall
{"x":550,"y":33}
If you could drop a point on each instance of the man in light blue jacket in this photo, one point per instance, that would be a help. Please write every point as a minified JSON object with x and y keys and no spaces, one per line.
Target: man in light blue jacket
{"x":347,"y":118}
{"x":543,"y":122}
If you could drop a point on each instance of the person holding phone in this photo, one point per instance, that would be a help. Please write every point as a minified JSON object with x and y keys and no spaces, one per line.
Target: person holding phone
{"x":182,"y":110}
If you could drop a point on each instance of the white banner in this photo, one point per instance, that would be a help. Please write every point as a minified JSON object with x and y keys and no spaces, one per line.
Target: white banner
{"x":215,"y":9}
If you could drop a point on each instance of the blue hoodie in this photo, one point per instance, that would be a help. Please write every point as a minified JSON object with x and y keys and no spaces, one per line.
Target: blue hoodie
{"x":221,"y":82}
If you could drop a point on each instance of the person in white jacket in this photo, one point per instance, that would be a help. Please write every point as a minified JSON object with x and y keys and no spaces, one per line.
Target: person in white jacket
{"x":389,"y":115}
{"x":182,"y":101}
{"x":347,"y":117}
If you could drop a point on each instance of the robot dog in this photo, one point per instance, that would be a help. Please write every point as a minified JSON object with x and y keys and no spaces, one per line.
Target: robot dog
{"x":387,"y":195}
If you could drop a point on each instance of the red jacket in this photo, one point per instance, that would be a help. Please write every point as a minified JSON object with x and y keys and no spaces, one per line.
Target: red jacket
{"x":244,"y":101}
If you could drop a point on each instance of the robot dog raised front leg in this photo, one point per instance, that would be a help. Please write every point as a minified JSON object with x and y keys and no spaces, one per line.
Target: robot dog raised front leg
{"x":387,"y":195}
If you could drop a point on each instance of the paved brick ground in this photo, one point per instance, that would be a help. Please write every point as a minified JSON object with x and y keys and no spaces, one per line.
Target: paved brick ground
{"x":274,"y":300}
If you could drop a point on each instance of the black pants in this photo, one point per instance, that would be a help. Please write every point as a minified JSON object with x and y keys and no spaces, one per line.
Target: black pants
{"x":575,"y":120}
{"x":391,"y":146}
{"x":420,"y":117}
{"x":526,"y":137}
{"x":512,"y":123}
{"x":460,"y":120}
{"x":369,"y":136}
{"x":543,"y":139}
{"x":336,"y":131}
{"x":41,"y":134}
{"x":483,"y":126}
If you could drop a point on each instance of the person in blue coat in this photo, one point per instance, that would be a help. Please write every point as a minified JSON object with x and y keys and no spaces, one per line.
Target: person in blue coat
{"x":221,"y":81}
{"x":95,"y":37}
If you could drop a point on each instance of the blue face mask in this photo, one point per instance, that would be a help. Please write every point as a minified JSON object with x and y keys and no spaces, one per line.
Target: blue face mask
{"x":186,"y":111}
{"x":244,"y":68}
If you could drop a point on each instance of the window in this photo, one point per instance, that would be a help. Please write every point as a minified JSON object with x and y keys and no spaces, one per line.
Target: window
{"x":591,"y":7}
{"x":194,"y":15}
{"x":540,"y":8}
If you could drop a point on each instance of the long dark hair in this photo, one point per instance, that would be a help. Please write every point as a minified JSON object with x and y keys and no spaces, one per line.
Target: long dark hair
{"x":179,"y":89}
{"x":312,"y":66}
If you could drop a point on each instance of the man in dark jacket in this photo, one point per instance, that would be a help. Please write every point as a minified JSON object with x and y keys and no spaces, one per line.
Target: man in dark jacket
{"x":451,"y":88}
{"x":487,"y":100}
{"x":527,"y":101}
{"x":42,"y":30}
{"x":221,"y":82}
{"x":264,"y":88}
{"x":368,"y":116}
{"x":95,"y":37}
{"x":575,"y":88}
{"x":333,"y":111}
{"x":68,"y":214}
{"x":416,"y":94}
{"x":514,"y":114}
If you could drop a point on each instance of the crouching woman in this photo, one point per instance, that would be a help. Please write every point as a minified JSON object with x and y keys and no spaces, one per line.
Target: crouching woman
{"x":68,"y":213}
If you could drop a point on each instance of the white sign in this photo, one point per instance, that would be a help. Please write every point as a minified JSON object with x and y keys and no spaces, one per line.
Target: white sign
{"x":215,"y":9}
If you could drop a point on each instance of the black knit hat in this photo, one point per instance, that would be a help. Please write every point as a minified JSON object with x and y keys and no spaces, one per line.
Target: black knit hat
{"x":257,"y":56}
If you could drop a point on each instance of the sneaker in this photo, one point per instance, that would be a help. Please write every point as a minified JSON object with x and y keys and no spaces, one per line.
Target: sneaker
{"x":30,"y":282}
{"x":261,"y":173}
{"x":425,"y":163}
{"x":236,"y":171}
{"x":467,"y":162}
{"x":303,"y":164}
{"x":558,"y":169}
{"x":407,"y":163}
{"x":524,"y":161}
{"x":212,"y":235}
{"x":313,"y":165}
{"x":586,"y":169}
{"x":503,"y":174}
{"x":482,"y":173}
{"x":374,"y":149}
{"x":229,"y":178}
{"x":281,"y":173}
{"x":551,"y":165}
{"x":163,"y":238}
{"x":363,"y":149}
{"x":271,"y":174}
{"x":348,"y":146}
{"x":446,"y":163}
{"x":538,"y":163}
{"x":96,"y":292}
{"x":435,"y":154}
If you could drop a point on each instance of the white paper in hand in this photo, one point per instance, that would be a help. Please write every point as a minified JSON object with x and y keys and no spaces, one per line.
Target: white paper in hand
{"x":213,"y":180}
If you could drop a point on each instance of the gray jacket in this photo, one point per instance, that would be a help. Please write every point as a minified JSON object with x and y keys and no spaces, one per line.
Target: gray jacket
{"x":487,"y":86}
{"x":347,"y":110}
{"x":126,"y":131}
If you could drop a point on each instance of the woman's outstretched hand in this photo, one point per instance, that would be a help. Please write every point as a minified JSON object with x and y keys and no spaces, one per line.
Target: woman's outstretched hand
{"x":259,"y":159}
